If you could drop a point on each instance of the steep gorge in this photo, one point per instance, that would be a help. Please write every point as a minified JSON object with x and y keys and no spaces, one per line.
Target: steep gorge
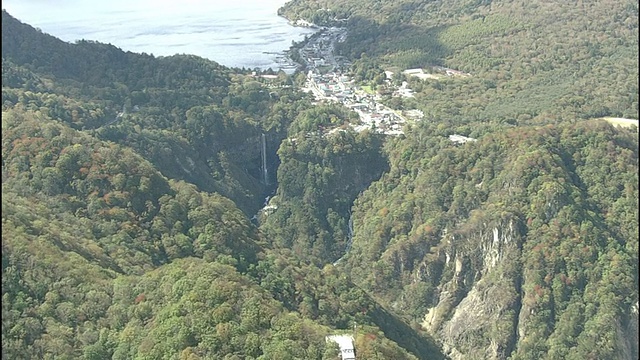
{"x":498,"y":247}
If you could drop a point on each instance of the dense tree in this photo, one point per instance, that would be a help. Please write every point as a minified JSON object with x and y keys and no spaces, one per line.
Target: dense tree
{"x":129,"y":182}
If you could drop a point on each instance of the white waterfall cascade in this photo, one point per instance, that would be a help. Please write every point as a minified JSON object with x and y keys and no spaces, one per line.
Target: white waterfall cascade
{"x":265,"y":175}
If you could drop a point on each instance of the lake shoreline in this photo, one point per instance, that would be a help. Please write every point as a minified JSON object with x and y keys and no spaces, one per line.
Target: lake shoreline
{"x":247,"y":34}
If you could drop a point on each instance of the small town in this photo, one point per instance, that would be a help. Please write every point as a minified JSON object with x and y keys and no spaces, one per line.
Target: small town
{"x":327,"y":82}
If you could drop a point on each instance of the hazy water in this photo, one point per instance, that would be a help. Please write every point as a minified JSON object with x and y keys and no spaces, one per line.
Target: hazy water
{"x":237,"y":33}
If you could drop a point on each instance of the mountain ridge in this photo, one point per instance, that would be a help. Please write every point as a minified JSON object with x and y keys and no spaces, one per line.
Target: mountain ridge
{"x":521,"y":245}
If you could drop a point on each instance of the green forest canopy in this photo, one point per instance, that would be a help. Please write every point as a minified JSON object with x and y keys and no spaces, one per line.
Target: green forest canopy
{"x":128,"y":182}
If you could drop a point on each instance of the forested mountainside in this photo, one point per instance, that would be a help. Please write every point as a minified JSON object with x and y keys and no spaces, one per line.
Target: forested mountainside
{"x":130,"y":184}
{"x":521,"y":245}
{"x":524,"y":243}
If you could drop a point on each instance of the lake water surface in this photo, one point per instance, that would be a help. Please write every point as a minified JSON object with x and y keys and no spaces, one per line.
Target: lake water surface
{"x":235,"y":33}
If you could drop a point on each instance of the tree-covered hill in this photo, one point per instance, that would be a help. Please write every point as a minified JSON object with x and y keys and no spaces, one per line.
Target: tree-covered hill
{"x":522,"y":244}
{"x":140,"y":101}
{"x":103,"y":257}
{"x":128,"y":182}
{"x":318,"y":180}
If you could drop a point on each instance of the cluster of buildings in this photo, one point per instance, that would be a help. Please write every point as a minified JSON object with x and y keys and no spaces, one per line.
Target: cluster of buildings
{"x":326,"y":82}
{"x":329,"y":86}
{"x":438,"y":72}
{"x":319,"y":50}
{"x":340,"y":88}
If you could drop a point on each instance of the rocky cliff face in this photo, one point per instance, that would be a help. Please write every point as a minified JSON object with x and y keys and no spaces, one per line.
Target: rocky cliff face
{"x":481,"y":297}
{"x":478,"y":310}
{"x":627,"y":335}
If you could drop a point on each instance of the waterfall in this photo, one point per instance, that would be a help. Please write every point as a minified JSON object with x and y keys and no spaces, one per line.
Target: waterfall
{"x":349,"y":240}
{"x":349,"y":235}
{"x":265,"y":175}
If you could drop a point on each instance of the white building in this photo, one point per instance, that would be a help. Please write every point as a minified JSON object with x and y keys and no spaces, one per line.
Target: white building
{"x":345,"y":342}
{"x":459,"y":139}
